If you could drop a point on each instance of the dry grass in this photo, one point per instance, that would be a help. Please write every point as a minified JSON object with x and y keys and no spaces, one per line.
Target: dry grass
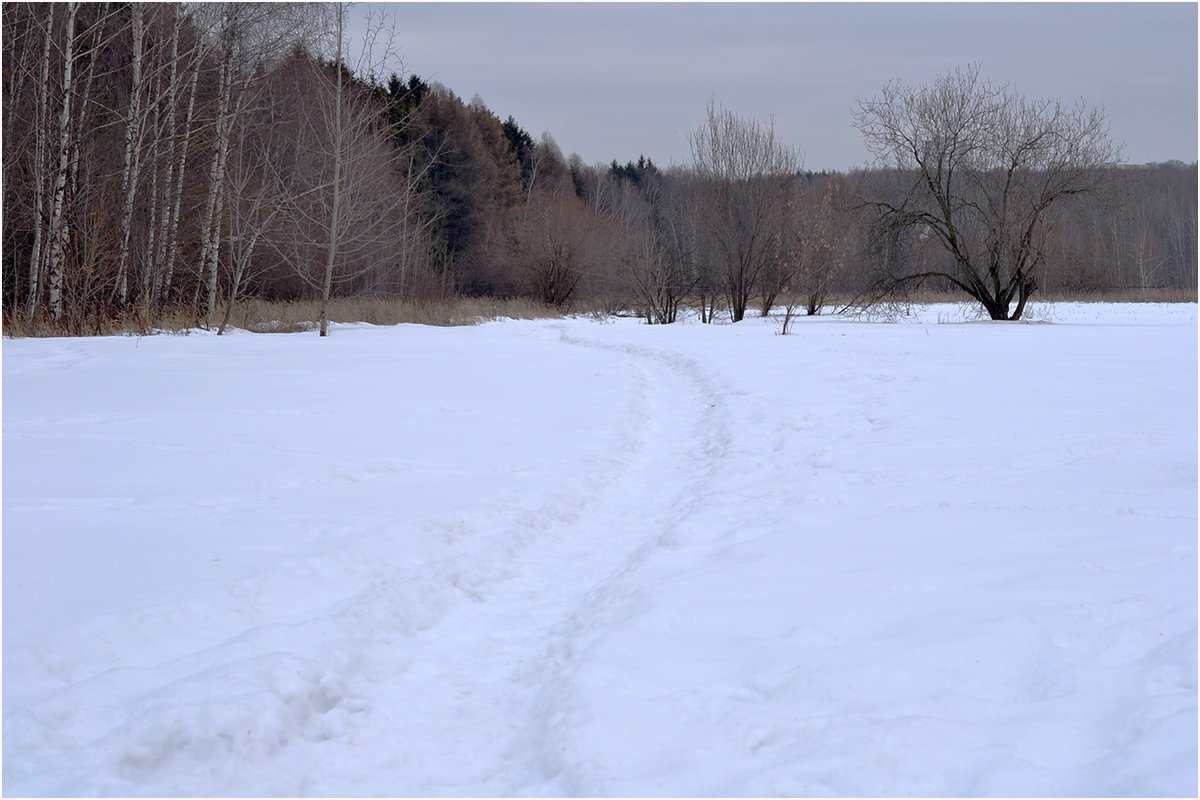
{"x":927,"y":296}
{"x":1118,"y":296}
{"x":16,"y":326}
{"x":262,"y":316}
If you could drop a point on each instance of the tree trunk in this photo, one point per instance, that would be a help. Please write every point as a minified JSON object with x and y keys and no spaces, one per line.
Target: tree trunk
{"x":247,"y":253}
{"x":164,"y":287}
{"x":39,"y":172}
{"x":57,"y":228}
{"x":211,"y":224}
{"x":132,"y":161}
{"x":331,"y":253}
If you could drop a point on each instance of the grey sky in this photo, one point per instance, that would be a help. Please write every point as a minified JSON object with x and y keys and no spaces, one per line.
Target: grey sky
{"x":616,"y":80}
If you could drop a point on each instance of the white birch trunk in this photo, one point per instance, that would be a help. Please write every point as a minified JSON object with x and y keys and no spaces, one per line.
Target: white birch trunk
{"x":132,"y":163}
{"x":81,"y":118}
{"x":149,"y":267}
{"x":166,"y":176}
{"x":164,"y":288}
{"x":57,"y":233}
{"x":39,"y":173}
{"x":213,"y":205}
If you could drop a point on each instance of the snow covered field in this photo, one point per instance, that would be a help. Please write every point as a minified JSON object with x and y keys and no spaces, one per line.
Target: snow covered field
{"x":936,"y":556}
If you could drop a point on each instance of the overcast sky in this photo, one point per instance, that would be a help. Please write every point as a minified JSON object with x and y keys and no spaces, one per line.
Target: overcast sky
{"x":617,"y":80}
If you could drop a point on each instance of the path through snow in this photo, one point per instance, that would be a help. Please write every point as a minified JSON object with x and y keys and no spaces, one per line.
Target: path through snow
{"x":565,"y":558}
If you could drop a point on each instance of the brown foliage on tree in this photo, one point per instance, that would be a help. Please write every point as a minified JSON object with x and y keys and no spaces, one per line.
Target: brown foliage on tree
{"x":554,"y":243}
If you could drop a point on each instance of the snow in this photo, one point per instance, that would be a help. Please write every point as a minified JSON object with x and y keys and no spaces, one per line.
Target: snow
{"x":933,"y":556}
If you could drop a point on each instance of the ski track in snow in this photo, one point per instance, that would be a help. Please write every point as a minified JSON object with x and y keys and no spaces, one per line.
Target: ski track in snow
{"x":663,"y":605}
{"x":686,"y":425}
{"x":537,"y":633}
{"x":177,"y":736}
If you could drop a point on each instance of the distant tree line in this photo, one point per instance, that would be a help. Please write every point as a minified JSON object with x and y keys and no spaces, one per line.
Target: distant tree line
{"x":163,"y":157}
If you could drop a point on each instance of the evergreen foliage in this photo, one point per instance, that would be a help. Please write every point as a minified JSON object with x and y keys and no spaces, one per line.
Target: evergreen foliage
{"x":403,"y":99}
{"x":521,"y":145}
{"x":635,"y":173}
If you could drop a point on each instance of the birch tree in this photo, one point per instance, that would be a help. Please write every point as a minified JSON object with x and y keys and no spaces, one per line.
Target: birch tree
{"x":185,"y":78}
{"x":56,"y":232}
{"x":41,"y":159}
{"x":180,"y":80}
{"x":65,"y":101}
{"x":135,"y":125}
{"x":248,"y":36}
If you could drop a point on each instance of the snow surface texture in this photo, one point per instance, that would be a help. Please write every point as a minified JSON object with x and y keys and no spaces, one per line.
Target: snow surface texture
{"x":936,"y":556}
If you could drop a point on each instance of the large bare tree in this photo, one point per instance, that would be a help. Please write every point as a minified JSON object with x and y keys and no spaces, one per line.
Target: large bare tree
{"x":983,"y":165}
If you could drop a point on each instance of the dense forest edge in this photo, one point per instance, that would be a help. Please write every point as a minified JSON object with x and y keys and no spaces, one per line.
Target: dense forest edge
{"x":171,"y":166}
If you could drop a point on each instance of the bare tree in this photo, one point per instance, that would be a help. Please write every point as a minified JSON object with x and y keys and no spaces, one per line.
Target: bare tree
{"x":41,"y":158}
{"x":255,"y":200}
{"x":553,"y":246}
{"x":818,"y":242}
{"x":339,"y":158}
{"x":353,"y":199}
{"x":744,"y":170}
{"x":654,"y":255}
{"x":1179,"y":221}
{"x":984,"y":165}
{"x":184,"y":79}
{"x":70,"y":34}
{"x":828,"y":240}
{"x":57,"y":233}
{"x":247,"y":37}
{"x":657,"y":271}
{"x":135,"y":129}
{"x":348,"y":191}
